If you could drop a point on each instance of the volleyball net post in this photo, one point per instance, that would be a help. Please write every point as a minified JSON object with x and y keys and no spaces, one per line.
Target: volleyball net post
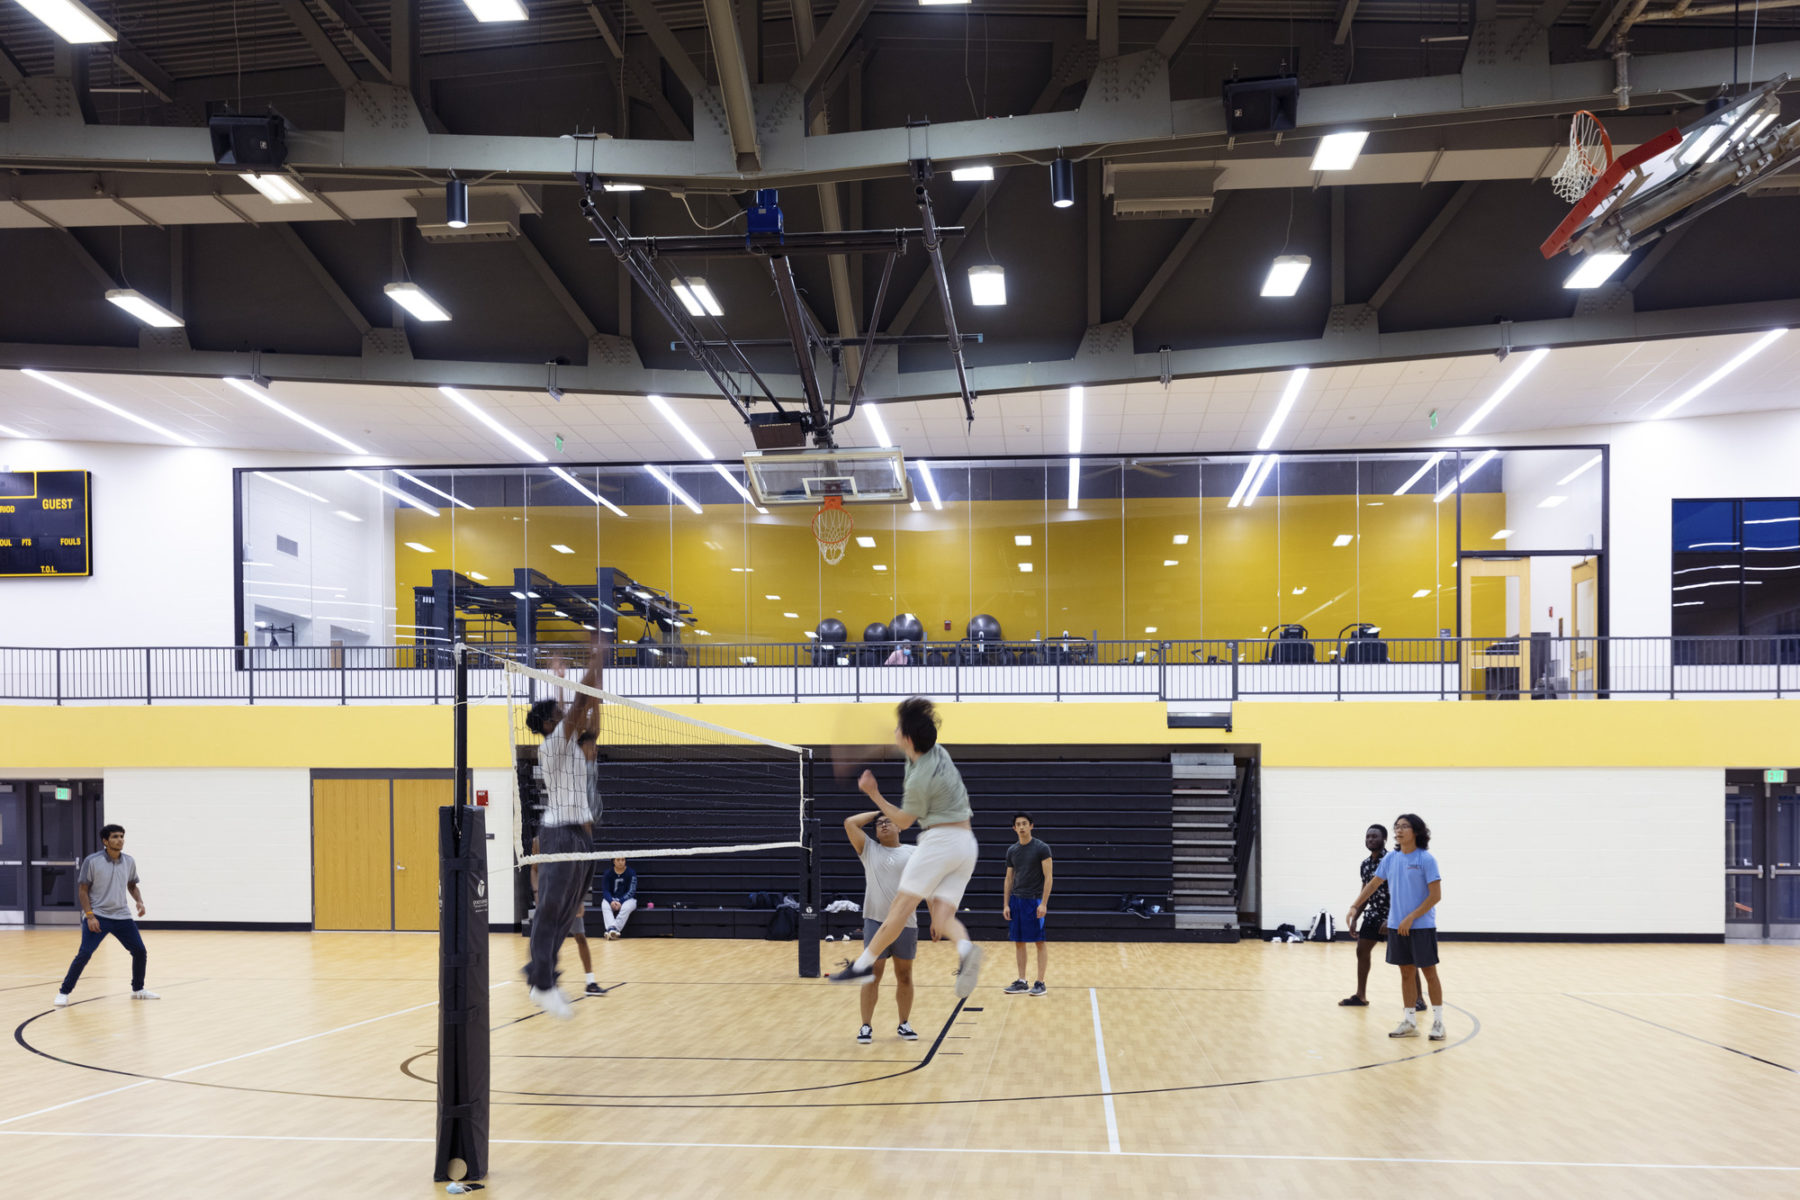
{"x":462,"y":1058}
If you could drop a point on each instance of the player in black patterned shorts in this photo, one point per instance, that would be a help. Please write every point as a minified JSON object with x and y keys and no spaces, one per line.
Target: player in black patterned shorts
{"x":1374,"y":917}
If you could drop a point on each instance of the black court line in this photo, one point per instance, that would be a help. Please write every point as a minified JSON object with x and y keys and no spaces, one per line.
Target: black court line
{"x":406,"y":1069}
{"x":1691,"y":1037}
{"x":699,"y":1058}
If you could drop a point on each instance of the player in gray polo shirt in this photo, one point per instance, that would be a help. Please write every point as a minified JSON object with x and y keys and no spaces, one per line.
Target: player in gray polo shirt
{"x":105,"y":881}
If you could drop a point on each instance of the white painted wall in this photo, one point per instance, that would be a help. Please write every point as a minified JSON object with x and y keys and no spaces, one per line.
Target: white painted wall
{"x":217,"y":844}
{"x":1526,"y":850}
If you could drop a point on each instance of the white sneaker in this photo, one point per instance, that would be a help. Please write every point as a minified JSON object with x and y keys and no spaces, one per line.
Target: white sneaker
{"x":552,"y":1001}
{"x":1437,"y":1031}
{"x":865,"y":1035}
{"x":1406,"y":1028}
{"x":145,"y":994}
{"x":968,"y":971}
{"x":62,"y":1000}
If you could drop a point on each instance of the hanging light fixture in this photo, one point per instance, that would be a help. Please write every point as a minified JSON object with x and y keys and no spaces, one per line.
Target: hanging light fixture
{"x":1062,"y":183}
{"x":456,"y":204}
{"x":987,"y":284}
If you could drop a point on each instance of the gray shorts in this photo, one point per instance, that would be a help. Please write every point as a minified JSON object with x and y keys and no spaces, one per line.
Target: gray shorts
{"x":905,"y":946}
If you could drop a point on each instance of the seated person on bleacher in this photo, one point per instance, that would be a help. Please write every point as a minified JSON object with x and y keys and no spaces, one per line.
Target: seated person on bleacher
{"x":618,"y":892}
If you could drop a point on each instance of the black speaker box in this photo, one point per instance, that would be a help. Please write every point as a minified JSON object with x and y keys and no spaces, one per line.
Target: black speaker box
{"x":1261,"y":105}
{"x":247,"y":141}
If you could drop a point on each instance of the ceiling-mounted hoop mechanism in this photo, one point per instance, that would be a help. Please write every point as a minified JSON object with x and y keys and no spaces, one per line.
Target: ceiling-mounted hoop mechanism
{"x":934,"y":246}
{"x":1162,"y":356}
{"x":550,"y":384}
{"x":1506,"y":346}
{"x":1621,"y":57}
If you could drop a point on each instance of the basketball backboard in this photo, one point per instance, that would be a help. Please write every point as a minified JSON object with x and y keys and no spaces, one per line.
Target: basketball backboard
{"x":858,"y":475}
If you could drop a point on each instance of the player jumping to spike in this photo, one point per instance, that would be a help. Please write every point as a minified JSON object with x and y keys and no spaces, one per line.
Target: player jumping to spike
{"x":938,"y":872}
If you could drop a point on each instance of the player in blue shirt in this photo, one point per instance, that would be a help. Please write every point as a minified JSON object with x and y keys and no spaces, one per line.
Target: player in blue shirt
{"x":1414,"y":889}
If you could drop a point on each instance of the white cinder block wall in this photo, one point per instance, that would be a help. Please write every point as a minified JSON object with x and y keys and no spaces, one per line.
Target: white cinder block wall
{"x":224,"y":844}
{"x":1571,"y":850}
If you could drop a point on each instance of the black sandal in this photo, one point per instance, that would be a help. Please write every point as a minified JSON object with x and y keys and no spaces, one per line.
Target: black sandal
{"x":1352,"y":1002}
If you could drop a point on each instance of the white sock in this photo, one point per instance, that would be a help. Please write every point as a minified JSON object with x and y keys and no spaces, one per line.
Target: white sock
{"x":864,"y":960}
{"x":590,"y":977}
{"x":963,"y":947}
{"x":1407,"y":1015}
{"x":1437,"y":1013}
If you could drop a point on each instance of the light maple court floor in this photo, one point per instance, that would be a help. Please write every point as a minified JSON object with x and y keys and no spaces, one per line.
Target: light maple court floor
{"x":288,"y":1063}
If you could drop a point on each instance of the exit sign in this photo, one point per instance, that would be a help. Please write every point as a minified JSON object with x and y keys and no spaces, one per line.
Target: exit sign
{"x":1775,"y":775}
{"x":63,"y":793}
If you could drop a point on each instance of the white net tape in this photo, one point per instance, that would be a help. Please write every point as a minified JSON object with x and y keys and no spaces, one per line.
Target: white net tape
{"x":1590,"y":153}
{"x":655,"y":784}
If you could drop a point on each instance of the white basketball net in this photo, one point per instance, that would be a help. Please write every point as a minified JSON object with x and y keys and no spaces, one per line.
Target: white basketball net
{"x":831,"y":526}
{"x":1590,"y":153}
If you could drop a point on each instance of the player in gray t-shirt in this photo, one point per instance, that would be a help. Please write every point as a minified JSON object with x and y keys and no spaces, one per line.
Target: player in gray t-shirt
{"x":107,"y":885}
{"x":884,"y":860}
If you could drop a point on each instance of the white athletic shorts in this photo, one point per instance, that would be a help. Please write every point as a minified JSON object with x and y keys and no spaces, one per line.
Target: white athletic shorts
{"x":940,"y":866}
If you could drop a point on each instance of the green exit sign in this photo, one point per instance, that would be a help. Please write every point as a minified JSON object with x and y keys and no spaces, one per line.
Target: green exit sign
{"x":63,"y":793}
{"x":1775,"y":775}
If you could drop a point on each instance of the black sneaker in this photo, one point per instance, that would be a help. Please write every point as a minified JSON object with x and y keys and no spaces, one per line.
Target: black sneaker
{"x":1420,"y":1006}
{"x":1017,"y":987}
{"x":852,"y":974}
{"x":907,"y":1032}
{"x":1038,"y":989}
{"x":594,"y":989}
{"x":865,"y":1035}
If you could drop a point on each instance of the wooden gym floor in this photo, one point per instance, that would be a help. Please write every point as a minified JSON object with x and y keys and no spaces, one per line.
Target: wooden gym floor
{"x":282,"y":1063}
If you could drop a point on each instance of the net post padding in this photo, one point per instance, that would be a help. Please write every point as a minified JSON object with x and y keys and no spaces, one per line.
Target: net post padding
{"x":631,"y":728}
{"x":831,"y":525}
{"x":1590,"y":153}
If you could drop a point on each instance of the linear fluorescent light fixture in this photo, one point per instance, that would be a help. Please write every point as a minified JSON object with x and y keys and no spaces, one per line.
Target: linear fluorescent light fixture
{"x":261,"y":396}
{"x":421,"y":547}
{"x":396,"y":493}
{"x":9,"y":431}
{"x":1743,"y":356}
{"x":276,"y":189}
{"x":987,"y":285}
{"x":144,"y":308}
{"x":268,"y":478}
{"x":97,"y":402}
{"x":596,"y":497}
{"x":739,"y":488}
{"x":560,"y":548}
{"x":697,"y":298}
{"x":1500,"y":535}
{"x":930,"y":483}
{"x":1421,"y":593}
{"x":1292,"y":392}
{"x":1419,"y":474}
{"x":1339,"y":151}
{"x":1481,"y":460}
{"x":474,"y":410}
{"x":1261,"y":477}
{"x":413,"y":299}
{"x":1250,"y":470}
{"x":1578,"y":472}
{"x":972,"y":174}
{"x":497,"y":10}
{"x":1553,"y":501}
{"x":436,"y":491}
{"x":618,"y":185}
{"x":1343,"y":539}
{"x":681,"y":427}
{"x":348,"y":516}
{"x":72,"y":22}
{"x":1596,"y":268}
{"x":876,"y":427}
{"x":1504,"y":390}
{"x":1285,"y":274}
{"x":1077,"y":397}
{"x":674,"y":489}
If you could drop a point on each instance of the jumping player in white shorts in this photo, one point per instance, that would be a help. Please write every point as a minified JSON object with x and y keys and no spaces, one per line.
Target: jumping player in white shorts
{"x":936,"y":800}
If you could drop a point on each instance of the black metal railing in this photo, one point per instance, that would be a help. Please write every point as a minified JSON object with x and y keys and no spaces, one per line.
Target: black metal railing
{"x":1189,"y":670}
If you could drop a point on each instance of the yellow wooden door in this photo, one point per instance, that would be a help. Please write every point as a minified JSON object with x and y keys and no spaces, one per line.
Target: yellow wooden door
{"x":1496,"y":611}
{"x":1584,"y":614}
{"x":352,"y":888}
{"x":416,"y":804}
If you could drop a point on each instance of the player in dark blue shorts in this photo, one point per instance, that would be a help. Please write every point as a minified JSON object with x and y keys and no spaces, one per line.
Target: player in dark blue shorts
{"x":1025,"y":902}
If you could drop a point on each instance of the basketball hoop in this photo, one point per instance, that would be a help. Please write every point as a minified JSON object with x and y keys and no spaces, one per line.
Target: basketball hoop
{"x":1590,"y":153}
{"x":832,"y":526}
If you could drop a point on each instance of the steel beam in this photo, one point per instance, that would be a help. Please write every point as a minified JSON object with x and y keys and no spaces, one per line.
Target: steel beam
{"x":1416,"y":252}
{"x":1347,"y":13}
{"x":861,"y":241}
{"x":609,"y":31}
{"x":1182,"y":26}
{"x":320,"y":42}
{"x":141,"y":67}
{"x":787,"y":292}
{"x":1171,"y":263}
{"x":11,"y":73}
{"x":324,"y":278}
{"x":368,"y":43}
{"x":668,"y":45}
{"x":85,"y":257}
{"x":734,"y":82}
{"x":1548,"y":12}
{"x":557,"y":288}
{"x":831,"y":43}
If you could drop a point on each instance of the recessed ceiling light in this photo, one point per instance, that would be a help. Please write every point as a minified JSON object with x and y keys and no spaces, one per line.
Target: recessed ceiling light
{"x":742,"y":570}
{"x":1421,"y":593}
{"x":518,"y":595}
{"x":477,"y":576}
{"x":769,"y":597}
{"x":1551,"y":501}
{"x":867,"y":543}
{"x":1418,"y":474}
{"x":1300,"y":591}
{"x":415,"y":480}
{"x":421,"y":547}
{"x":560,"y":548}
{"x":930,"y":484}
{"x":1579,"y":471}
{"x":268,"y":478}
{"x":1289,"y":394}
{"x":596,"y":497}
{"x":349,"y":516}
{"x":9,"y":431}
{"x":1343,"y":539}
{"x":262,"y":397}
{"x":480,"y":414}
{"x":1504,"y":390}
{"x":1025,"y":567}
{"x":1339,"y":151}
{"x":1021,"y":539}
{"x":879,"y":567}
{"x":1481,"y":460}
{"x":394,"y":492}
{"x":1743,"y":356}
{"x":675,"y":490}
{"x":1149,"y":629}
{"x":1181,"y":539}
{"x":877,"y":428}
{"x":1171,"y":562}
{"x":704,"y":632}
{"x":791,"y":616}
{"x":76,"y":392}
{"x":1500,"y":535}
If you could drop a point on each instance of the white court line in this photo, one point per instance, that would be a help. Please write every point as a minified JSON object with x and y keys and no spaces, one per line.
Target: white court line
{"x":887,"y":1149}
{"x":1112,"y":1120}
{"x":1784,"y":1012}
{"x":234,"y":1058}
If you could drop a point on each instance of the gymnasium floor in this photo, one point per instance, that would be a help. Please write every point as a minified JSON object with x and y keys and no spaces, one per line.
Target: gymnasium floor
{"x":282,"y":1063}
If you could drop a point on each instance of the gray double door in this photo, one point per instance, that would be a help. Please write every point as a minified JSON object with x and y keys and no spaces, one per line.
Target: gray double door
{"x":1762,"y":856}
{"x":46,"y":828}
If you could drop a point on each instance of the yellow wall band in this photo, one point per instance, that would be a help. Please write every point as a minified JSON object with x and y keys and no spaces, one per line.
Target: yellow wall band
{"x":1679,"y":733}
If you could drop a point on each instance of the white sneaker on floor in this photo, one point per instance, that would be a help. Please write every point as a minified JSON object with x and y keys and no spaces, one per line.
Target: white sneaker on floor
{"x":62,"y":1000}
{"x":968,"y":971}
{"x":145,"y":994}
{"x":1406,"y":1028}
{"x":552,"y":1001}
{"x":1437,"y":1031}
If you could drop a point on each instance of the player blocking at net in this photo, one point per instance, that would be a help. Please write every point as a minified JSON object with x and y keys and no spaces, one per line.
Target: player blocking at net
{"x":938,"y":872}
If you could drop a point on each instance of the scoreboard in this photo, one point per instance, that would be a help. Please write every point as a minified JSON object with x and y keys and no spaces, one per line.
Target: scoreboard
{"x":45,"y":525}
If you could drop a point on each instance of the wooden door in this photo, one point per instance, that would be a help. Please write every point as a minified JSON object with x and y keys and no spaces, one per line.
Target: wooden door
{"x":1496,"y":648}
{"x":1584,"y":626}
{"x":352,"y":859}
{"x":416,"y":804}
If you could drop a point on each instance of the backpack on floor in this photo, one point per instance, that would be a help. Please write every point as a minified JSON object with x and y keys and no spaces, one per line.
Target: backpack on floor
{"x":784,"y":925}
{"x":1323,"y":927}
